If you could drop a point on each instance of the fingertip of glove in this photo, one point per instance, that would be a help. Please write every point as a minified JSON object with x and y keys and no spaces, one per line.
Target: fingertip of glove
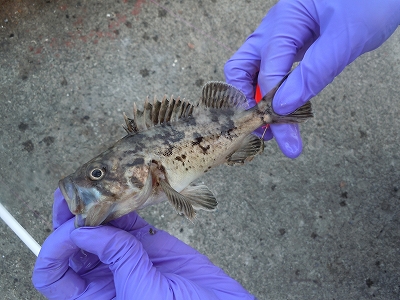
{"x":292,"y":153}
{"x":84,"y":236}
{"x":287,"y":98}
{"x":288,"y":139}
{"x":291,"y":149}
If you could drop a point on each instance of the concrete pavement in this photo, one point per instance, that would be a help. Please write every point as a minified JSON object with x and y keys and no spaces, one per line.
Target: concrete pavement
{"x":323,"y":226}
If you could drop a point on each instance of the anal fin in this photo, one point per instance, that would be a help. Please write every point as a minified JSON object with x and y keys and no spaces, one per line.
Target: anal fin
{"x":251,"y":146}
{"x":191,"y":198}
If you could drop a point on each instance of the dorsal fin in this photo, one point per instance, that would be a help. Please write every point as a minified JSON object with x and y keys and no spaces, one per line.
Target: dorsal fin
{"x":217,"y":94}
{"x":158,"y":112}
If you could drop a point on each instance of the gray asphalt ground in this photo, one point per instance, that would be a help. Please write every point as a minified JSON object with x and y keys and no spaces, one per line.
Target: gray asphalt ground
{"x":323,"y":226}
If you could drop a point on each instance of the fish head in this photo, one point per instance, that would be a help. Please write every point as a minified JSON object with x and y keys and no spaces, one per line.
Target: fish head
{"x":95,"y":191}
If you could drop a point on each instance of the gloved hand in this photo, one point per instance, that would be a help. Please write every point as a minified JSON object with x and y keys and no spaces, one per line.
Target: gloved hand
{"x":126,"y":259}
{"x":325,"y":36}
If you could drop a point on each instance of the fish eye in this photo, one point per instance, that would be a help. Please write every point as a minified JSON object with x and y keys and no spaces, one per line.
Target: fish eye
{"x":97,"y":174}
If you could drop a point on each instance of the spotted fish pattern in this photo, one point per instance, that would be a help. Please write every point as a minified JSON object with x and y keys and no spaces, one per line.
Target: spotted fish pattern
{"x":169,"y":144}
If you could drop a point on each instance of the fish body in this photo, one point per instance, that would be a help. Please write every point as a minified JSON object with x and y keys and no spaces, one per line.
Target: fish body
{"x":169,"y":144}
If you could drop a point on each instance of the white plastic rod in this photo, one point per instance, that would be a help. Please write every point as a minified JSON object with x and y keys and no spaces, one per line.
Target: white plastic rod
{"x":19,"y":230}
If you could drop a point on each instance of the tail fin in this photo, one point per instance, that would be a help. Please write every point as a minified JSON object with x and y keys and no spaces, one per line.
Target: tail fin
{"x":298,"y":116}
{"x":302,"y":114}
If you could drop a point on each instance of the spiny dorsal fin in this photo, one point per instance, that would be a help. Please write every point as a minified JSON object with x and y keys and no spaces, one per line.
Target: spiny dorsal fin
{"x":158,"y":112}
{"x":217,"y":94}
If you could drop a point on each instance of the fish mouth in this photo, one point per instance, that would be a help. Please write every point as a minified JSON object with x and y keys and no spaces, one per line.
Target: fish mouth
{"x":67,"y":188}
{"x":79,"y":200}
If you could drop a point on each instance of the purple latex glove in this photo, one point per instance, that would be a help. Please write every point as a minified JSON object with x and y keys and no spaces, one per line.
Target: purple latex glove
{"x":126,"y":259}
{"x":325,"y":36}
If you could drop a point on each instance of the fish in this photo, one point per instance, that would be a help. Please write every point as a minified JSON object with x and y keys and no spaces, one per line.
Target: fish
{"x":169,"y":144}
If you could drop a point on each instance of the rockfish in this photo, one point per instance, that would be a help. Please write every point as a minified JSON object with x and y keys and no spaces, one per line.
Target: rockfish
{"x":168,"y":145}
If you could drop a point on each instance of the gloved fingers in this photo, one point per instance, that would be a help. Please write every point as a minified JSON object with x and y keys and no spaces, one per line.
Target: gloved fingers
{"x":341,"y":42}
{"x":174,"y":270}
{"x":269,"y":52}
{"x":345,"y":35}
{"x":110,"y":244}
{"x":288,"y":139}
{"x":129,"y":222}
{"x":83,"y":262}
{"x":323,"y":61}
{"x":185,"y":273}
{"x":241,"y":70}
{"x":133,"y":272}
{"x":285,"y":34}
{"x":61,"y":212}
{"x":277,"y":57}
{"x":51,"y":274}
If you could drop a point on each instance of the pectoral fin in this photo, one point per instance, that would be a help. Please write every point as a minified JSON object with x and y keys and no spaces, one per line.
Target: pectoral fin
{"x":191,"y":198}
{"x":200,"y":197}
{"x":251,"y":146}
{"x":180,"y":202}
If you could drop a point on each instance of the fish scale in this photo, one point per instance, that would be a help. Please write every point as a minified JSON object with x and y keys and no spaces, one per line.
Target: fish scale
{"x":169,"y":144}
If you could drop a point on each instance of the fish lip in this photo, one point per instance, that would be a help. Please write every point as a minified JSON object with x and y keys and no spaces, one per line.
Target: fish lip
{"x":68,"y":189}
{"x":71,"y":196}
{"x":80,"y":199}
